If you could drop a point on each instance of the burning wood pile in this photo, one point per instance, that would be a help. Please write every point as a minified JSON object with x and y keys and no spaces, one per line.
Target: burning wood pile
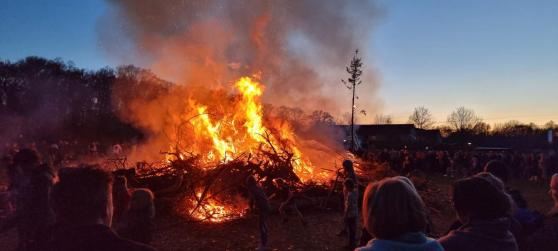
{"x":214,"y":150}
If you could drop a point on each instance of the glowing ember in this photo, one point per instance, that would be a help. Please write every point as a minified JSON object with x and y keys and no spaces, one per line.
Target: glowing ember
{"x":212,"y":211}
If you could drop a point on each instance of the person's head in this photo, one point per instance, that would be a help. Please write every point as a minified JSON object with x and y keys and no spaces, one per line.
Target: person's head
{"x":83,"y":196}
{"x":348,"y":166}
{"x":476,"y":198}
{"x":393,"y":207}
{"x":554,"y":189}
{"x":497,"y":168}
{"x":142,"y":200}
{"x":349,"y":184}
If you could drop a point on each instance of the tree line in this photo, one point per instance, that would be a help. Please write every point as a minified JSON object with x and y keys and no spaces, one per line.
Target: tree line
{"x":465,"y":120}
{"x":50,"y":100}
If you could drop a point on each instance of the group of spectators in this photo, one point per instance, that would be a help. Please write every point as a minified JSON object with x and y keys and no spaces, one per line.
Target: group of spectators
{"x":61,"y":153}
{"x":80,"y":208}
{"x":490,"y":215}
{"x":86,"y":208}
{"x":532,"y":165}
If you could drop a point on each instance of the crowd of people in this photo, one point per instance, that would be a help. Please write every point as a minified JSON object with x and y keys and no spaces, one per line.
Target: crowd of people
{"x":528,"y":165}
{"x":88,"y":208}
{"x":80,"y":208}
{"x":71,"y":152}
{"x":490,"y":215}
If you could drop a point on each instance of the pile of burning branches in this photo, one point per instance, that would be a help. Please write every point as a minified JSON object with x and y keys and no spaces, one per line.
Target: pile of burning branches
{"x":214,"y":192}
{"x":216,"y":143}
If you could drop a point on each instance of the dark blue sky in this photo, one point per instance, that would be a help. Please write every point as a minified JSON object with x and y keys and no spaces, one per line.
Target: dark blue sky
{"x":497,"y":57}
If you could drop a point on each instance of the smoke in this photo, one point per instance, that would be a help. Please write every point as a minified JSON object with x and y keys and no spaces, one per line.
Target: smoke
{"x":299,"y":48}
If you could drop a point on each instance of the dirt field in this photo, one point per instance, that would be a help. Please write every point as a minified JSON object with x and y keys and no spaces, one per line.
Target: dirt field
{"x":320,"y":233}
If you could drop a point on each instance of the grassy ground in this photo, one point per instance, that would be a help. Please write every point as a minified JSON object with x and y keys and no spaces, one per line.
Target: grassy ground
{"x":320,"y":233}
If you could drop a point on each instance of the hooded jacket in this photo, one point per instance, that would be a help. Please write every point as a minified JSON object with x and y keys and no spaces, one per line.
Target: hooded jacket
{"x":491,"y":235}
{"x":407,"y":242}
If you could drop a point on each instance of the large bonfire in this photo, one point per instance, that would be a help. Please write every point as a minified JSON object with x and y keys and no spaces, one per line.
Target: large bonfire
{"x":216,"y":132}
{"x":220,"y":141}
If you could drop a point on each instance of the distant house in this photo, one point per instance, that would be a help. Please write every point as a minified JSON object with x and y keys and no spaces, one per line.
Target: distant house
{"x":392,"y":136}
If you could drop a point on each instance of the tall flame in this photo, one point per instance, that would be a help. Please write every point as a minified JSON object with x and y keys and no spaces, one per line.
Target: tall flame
{"x":227,"y":139}
{"x":239,"y":128}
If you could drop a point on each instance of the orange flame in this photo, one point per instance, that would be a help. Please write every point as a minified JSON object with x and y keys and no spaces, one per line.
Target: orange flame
{"x":239,"y":128}
{"x":226,"y":139}
{"x":215,"y":212}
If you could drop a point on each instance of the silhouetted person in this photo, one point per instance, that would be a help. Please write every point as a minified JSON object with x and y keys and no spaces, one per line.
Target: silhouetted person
{"x":137,"y":222}
{"x":82,"y":201}
{"x":546,"y":237}
{"x":529,"y":219}
{"x":516,"y":227}
{"x":484,"y":210}
{"x":349,"y":173}
{"x":121,"y":197}
{"x":395,"y":215}
{"x":350,"y":214}
{"x":30,"y":187}
{"x":262,"y":206}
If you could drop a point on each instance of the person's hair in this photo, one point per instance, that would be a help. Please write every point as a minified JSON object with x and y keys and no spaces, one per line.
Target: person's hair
{"x":478,"y":198}
{"x":393,"y":207}
{"x":497,"y":168}
{"x":82,"y":194}
{"x":142,"y":200}
{"x":349,"y":184}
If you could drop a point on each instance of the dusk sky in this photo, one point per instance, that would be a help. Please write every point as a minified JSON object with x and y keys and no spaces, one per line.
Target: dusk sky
{"x":499,"y":58}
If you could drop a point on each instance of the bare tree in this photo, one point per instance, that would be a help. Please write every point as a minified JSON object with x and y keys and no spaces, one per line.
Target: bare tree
{"x":354,"y":69}
{"x":383,"y":119}
{"x":463,"y":119}
{"x":516,"y":128}
{"x":481,"y":128}
{"x":322,"y":118}
{"x":421,"y":118}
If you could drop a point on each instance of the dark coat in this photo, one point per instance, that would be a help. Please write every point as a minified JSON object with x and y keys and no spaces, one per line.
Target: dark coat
{"x":91,"y":238}
{"x":493,"y":235}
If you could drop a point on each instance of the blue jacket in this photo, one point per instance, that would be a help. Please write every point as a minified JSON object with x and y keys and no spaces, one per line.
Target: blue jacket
{"x":407,"y":242}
